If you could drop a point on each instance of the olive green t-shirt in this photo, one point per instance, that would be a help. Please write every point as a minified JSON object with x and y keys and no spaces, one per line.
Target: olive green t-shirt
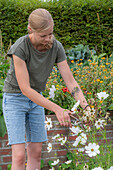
{"x":39,"y":64}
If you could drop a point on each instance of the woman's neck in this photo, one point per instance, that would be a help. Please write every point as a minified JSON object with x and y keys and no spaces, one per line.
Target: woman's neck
{"x":37,"y":46}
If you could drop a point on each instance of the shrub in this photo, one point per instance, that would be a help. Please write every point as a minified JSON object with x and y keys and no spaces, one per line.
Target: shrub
{"x":76,"y":22}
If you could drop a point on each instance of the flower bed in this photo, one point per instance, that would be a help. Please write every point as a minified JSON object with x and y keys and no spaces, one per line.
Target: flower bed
{"x":78,"y":147}
{"x":58,"y":151}
{"x":91,"y":147}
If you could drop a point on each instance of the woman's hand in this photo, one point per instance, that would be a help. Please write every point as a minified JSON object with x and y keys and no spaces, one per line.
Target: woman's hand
{"x":63,"y":117}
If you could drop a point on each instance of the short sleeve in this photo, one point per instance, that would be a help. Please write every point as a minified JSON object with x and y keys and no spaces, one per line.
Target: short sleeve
{"x":18,"y":49}
{"x":61,"y":56}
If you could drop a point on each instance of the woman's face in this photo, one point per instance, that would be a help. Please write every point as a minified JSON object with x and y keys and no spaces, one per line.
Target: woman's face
{"x":43,"y":37}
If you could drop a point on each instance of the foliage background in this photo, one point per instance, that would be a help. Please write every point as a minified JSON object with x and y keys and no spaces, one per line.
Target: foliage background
{"x":87,"y":22}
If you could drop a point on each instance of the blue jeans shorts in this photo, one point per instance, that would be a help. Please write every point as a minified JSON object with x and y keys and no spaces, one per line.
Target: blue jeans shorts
{"x":25,"y":120}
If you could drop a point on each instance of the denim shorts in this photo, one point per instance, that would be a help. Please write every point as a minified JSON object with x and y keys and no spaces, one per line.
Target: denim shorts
{"x":25,"y":120}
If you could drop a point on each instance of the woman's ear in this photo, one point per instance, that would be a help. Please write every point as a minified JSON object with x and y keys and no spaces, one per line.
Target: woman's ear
{"x":29,"y":29}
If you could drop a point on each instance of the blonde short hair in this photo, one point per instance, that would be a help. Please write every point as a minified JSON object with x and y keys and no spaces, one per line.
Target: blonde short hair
{"x":39,"y":20}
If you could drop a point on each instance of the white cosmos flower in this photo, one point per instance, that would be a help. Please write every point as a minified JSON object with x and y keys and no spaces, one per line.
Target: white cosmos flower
{"x":55,"y":162}
{"x":60,"y":139}
{"x":87,"y":128}
{"x":99,"y":123}
{"x":80,"y":139}
{"x":51,"y":93}
{"x":92,"y":149}
{"x":75,"y":129}
{"x":64,"y":141}
{"x":76,"y":141}
{"x":48,"y":123}
{"x":68,"y":162}
{"x":98,"y":168}
{"x":92,"y":110}
{"x":111,"y":168}
{"x":80,"y":149}
{"x":74,"y":109}
{"x":49,"y":148}
{"x":88,"y":114}
{"x":83,"y":138}
{"x":85,"y":167}
{"x":102,"y":95}
{"x":56,"y":136}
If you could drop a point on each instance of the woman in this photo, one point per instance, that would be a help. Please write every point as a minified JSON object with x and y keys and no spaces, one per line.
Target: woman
{"x":32,"y":59}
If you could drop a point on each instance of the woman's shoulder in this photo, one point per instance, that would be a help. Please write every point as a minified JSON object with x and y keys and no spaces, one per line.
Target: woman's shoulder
{"x":20,"y":40}
{"x":57,"y":43}
{"x":19,"y":44}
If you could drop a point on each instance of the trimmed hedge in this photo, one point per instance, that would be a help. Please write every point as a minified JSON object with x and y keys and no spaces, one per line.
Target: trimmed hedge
{"x":86,"y":22}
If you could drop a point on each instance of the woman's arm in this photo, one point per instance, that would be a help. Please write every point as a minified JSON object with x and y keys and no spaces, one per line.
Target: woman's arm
{"x":23,"y":81}
{"x":71,"y":84}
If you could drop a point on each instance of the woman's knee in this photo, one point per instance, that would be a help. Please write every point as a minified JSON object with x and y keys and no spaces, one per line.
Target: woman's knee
{"x":19,"y":158}
{"x":34,"y":150}
{"x":18,"y":154}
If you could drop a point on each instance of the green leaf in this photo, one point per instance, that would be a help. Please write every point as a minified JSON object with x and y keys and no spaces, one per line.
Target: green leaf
{"x":2,"y":126}
{"x":102,"y":55}
{"x":69,"y":156}
{"x":65,"y":165}
{"x":9,"y":167}
{"x":49,"y":162}
{"x":42,"y":164}
{"x":111,"y":107}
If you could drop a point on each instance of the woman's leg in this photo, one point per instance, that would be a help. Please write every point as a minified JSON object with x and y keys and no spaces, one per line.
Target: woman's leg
{"x":35,"y":134}
{"x":18,"y":157}
{"x":34,"y":155}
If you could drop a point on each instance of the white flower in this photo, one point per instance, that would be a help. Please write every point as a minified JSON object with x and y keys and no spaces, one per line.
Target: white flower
{"x":92,"y":149}
{"x":68,"y":162}
{"x":56,"y":136}
{"x":48,"y":123}
{"x":51,"y":93}
{"x":76,"y":141}
{"x":74,"y":109}
{"x":55,"y":162}
{"x":64,"y":141}
{"x":52,"y":168}
{"x":85,"y":167}
{"x":99,"y":168}
{"x":60,"y":139}
{"x":75,"y":129}
{"x":83,"y":138}
{"x":49,"y":148}
{"x":111,"y":168}
{"x":80,"y":139}
{"x":87,"y":128}
{"x":93,"y":110}
{"x":88,"y":114}
{"x":99,"y":123}
{"x":102,"y":95}
{"x":80,"y":149}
